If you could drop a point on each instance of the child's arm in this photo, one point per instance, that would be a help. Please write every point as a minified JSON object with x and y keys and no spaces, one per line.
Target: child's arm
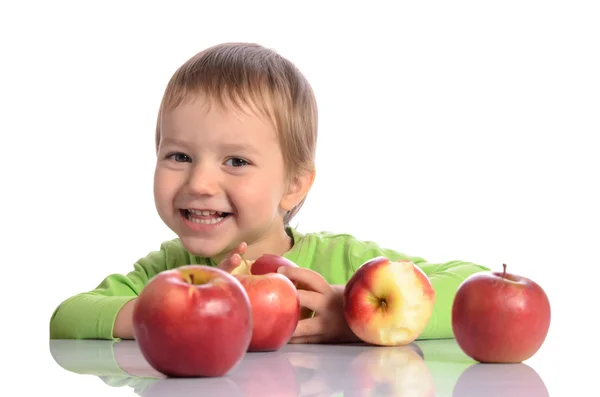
{"x":445,"y":278}
{"x":93,"y":314}
{"x":123,"y":328}
{"x":107,"y":311}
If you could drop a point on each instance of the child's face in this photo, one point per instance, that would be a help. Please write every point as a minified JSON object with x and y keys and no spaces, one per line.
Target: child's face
{"x":220,"y":180}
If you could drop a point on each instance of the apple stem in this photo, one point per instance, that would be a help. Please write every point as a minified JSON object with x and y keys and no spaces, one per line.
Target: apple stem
{"x":504,"y":272}
{"x":243,"y":260}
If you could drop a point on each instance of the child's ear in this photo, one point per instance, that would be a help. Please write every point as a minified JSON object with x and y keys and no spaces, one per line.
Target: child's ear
{"x":297,"y":189}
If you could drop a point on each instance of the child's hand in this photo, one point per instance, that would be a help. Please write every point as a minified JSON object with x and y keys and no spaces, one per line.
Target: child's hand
{"x":233,"y":259}
{"x":328,"y":324}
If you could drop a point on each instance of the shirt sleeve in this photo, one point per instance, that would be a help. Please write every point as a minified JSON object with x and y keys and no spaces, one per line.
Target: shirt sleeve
{"x":444,"y":277}
{"x":91,"y":314}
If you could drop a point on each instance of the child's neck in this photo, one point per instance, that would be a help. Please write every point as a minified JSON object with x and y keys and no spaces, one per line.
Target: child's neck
{"x":278,"y":244}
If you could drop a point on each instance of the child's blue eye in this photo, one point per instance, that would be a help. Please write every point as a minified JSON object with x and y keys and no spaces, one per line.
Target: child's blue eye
{"x":236,"y":162}
{"x":180,"y":157}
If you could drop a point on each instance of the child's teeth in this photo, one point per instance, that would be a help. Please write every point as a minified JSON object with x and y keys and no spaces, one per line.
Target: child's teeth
{"x":207,"y":221}
{"x":202,"y":212}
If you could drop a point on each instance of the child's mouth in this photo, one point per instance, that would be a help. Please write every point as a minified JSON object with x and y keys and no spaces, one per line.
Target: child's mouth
{"x":204,"y":217}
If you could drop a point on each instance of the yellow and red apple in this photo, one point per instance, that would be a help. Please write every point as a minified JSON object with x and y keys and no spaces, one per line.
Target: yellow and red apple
{"x":388,"y":302}
{"x":193,"y":320}
{"x":499,"y":317}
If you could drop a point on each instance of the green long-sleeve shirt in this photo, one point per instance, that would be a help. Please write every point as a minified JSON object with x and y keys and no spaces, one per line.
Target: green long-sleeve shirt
{"x":91,"y":314}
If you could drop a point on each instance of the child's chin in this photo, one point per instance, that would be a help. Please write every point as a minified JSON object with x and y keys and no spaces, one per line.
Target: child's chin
{"x":202,"y":248}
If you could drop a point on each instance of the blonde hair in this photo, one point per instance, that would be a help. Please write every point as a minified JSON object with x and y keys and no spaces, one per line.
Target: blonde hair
{"x":252,"y":75}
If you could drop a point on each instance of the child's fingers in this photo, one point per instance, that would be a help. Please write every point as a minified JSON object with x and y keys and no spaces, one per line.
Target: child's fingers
{"x":309,"y":339}
{"x":305,"y":312}
{"x":230,"y":263}
{"x":240,"y":249}
{"x":312,"y":300}
{"x":308,"y":279}
{"x":310,"y":327}
{"x":233,"y":259}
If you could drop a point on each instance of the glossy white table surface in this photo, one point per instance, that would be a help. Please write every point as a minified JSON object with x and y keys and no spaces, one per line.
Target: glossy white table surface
{"x":424,"y":368}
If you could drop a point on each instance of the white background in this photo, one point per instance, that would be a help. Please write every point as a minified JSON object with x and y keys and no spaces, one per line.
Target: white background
{"x":450,"y":130}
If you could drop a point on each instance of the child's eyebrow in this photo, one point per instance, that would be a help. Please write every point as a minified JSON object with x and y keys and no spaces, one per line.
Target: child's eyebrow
{"x":240,"y":147}
{"x":173,"y":141}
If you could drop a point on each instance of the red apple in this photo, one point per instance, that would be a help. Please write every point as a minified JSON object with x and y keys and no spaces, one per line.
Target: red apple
{"x":498,"y":317}
{"x":269,"y":263}
{"x":275,"y":310}
{"x":193,"y":321}
{"x":389,"y":371}
{"x":388,"y":302}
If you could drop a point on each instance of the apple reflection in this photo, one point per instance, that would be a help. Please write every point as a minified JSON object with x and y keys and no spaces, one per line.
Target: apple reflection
{"x":295,"y":370}
{"x":266,"y":372}
{"x":500,"y":380}
{"x":360,"y":369}
{"x":121,"y":364}
{"x":389,"y":371}
{"x":258,"y":374}
{"x":188,"y":387}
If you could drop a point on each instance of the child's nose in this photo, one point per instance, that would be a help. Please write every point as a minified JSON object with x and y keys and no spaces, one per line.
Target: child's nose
{"x":204,"y":180}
